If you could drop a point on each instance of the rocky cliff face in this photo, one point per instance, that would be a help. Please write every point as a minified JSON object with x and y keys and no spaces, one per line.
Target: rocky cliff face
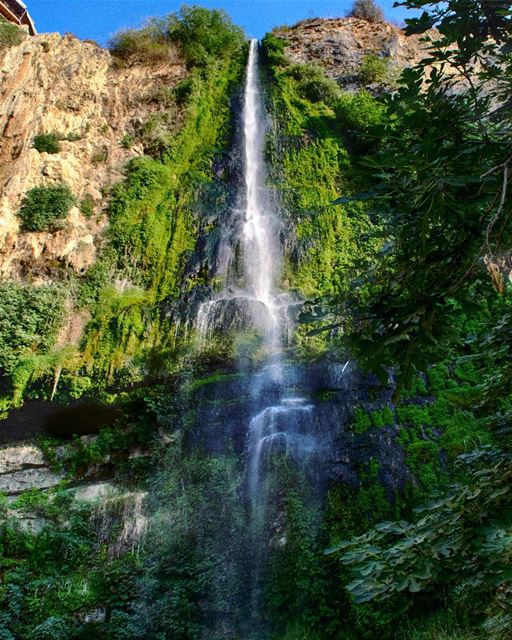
{"x":74,"y":89}
{"x":61,"y":85}
{"x":339,"y":45}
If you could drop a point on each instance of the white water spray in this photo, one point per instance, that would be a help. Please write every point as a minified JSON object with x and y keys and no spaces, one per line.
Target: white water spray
{"x":284,"y":427}
{"x":260,"y":303}
{"x":260,"y":236}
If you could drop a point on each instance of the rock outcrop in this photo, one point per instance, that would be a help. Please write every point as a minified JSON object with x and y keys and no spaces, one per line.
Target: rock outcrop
{"x":339,"y":45}
{"x":74,"y":89}
{"x":23,"y":467}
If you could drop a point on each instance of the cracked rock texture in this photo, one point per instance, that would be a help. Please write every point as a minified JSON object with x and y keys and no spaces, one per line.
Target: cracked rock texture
{"x":338,"y":45}
{"x":72,"y":88}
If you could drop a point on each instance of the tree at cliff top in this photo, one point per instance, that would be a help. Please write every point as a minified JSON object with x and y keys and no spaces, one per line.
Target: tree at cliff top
{"x":366,"y":10}
{"x":201,"y":35}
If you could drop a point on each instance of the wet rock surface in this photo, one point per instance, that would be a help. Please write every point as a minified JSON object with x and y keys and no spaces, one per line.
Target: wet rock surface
{"x":223,"y":408}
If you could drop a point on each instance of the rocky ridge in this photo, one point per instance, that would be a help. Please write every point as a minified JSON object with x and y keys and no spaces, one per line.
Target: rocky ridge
{"x":339,"y":45}
{"x":61,"y":85}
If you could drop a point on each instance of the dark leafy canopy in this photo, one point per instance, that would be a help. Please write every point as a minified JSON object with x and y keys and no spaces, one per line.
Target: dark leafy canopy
{"x":462,"y":538}
{"x":441,"y":177}
{"x":441,"y":187}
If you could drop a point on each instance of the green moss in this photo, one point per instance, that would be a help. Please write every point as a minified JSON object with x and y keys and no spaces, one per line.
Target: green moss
{"x":361,"y":421}
{"x":87,"y":207}
{"x":153,"y":229}
{"x":311,"y":167}
{"x":414,"y":414}
{"x":383,"y":417}
{"x":326,"y":395}
{"x":216,"y":377}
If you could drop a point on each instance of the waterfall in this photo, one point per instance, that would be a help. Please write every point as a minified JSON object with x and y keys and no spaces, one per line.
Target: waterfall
{"x":260,"y":233}
{"x":284,"y":430}
{"x":260,"y":304}
{"x":256,"y":302}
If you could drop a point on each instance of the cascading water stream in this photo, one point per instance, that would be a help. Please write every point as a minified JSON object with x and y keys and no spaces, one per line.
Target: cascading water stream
{"x":258,"y":302}
{"x":282,"y":430}
{"x":260,"y":238}
{"x":281,"y":427}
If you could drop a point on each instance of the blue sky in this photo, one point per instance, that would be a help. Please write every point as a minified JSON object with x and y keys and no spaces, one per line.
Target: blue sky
{"x":99,"y":19}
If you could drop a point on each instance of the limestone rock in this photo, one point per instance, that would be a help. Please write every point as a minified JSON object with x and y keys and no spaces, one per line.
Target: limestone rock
{"x":93,"y":492}
{"x":18,"y":457}
{"x":73,"y":89}
{"x":338,"y":45}
{"x":27,"y":479}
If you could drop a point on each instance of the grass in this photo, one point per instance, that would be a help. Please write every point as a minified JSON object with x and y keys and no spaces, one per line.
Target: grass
{"x":10,"y":34}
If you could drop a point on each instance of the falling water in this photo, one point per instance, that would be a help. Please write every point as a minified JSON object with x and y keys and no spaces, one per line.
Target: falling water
{"x":260,"y":237}
{"x":283,"y":424}
{"x":258,"y":303}
{"x":284,"y":427}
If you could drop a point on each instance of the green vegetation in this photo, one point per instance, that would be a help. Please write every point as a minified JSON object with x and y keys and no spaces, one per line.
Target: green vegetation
{"x":395,"y":207}
{"x":202,"y":36}
{"x":373,"y":69}
{"x":45,"y":208}
{"x":99,"y":156}
{"x":87,"y":207}
{"x":46,"y":142}
{"x":127,"y":141}
{"x":435,"y":193}
{"x":311,"y":164}
{"x":154,"y":220}
{"x":147,"y":45}
{"x":10,"y":34}
{"x":441,"y":210}
{"x":205,"y":35}
{"x":30,"y":318}
{"x":439,"y":213}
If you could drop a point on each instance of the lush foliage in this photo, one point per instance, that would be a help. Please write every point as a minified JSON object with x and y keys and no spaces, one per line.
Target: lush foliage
{"x":45,"y":208}
{"x":204,"y":35}
{"x":30,"y":318}
{"x":373,"y":69}
{"x":465,"y":528}
{"x":152,"y":231}
{"x":10,"y":34}
{"x":439,"y":185}
{"x":46,"y":142}
{"x":311,"y":164}
{"x":201,"y":35}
